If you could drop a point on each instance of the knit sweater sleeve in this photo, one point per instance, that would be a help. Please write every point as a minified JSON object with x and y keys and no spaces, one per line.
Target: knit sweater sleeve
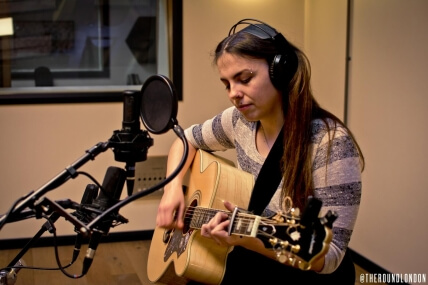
{"x":215,"y":134}
{"x":337,"y":183}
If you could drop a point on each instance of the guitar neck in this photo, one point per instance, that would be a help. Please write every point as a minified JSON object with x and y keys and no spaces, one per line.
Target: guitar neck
{"x":241,"y":223}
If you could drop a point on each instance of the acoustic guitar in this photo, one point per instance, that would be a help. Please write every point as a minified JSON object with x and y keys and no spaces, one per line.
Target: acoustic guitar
{"x":177,"y":256}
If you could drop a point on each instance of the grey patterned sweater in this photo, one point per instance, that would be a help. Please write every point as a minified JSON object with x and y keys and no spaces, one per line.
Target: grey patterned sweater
{"x":337,"y":185}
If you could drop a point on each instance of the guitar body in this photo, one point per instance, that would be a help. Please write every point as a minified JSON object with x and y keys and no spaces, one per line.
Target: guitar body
{"x":177,"y":256}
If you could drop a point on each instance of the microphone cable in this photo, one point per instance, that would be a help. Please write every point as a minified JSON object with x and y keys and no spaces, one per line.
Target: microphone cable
{"x":60,"y":266}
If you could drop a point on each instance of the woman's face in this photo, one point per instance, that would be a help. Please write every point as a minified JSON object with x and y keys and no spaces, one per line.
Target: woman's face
{"x":249,"y":87}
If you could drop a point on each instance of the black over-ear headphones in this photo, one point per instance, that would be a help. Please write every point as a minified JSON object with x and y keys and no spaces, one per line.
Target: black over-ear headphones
{"x":284,"y":64}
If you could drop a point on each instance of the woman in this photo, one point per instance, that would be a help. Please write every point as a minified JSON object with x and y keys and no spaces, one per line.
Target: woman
{"x":267,"y":80}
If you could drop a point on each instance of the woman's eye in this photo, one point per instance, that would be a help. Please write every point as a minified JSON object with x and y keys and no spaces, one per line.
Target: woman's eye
{"x":246,"y":80}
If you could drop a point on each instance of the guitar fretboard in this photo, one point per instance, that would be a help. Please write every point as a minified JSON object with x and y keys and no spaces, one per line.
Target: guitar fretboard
{"x":243,"y":224}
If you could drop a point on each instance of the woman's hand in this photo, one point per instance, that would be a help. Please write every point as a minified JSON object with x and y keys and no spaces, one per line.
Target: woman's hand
{"x":217,"y":228}
{"x":171,"y":209}
{"x":172,"y":205}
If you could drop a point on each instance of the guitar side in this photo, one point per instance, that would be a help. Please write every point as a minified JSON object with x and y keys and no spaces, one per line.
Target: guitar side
{"x":177,"y":256}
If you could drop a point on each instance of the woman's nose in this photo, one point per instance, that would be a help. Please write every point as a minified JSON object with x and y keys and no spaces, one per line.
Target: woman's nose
{"x":235,"y":92}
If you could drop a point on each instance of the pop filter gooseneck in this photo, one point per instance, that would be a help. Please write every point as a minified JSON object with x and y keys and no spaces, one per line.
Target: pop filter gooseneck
{"x":158,"y":111}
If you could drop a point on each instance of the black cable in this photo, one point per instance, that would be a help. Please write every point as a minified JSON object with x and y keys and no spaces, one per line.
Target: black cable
{"x":60,"y":267}
{"x":95,"y":182}
{"x":90,"y":177}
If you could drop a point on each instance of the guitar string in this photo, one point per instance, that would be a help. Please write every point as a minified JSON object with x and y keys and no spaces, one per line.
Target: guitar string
{"x":206,"y":211}
{"x":209,"y":213}
{"x":201,"y":215}
{"x":206,"y":214}
{"x":214,"y":211}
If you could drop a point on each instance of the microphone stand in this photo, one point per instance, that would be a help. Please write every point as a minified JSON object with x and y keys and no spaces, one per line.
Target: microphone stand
{"x":42,"y":206}
{"x":55,"y":209}
{"x":129,"y":145}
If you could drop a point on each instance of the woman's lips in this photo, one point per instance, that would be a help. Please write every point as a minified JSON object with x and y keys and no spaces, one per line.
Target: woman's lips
{"x":243,"y":107}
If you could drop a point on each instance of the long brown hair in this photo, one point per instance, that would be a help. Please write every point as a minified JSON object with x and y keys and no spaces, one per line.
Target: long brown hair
{"x":299,"y":107}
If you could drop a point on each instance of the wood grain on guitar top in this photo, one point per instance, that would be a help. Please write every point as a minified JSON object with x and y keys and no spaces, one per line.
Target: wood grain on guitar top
{"x":177,"y":256}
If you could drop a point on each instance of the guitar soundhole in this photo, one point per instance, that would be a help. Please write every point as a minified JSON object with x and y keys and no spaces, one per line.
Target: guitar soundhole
{"x":188,"y":215}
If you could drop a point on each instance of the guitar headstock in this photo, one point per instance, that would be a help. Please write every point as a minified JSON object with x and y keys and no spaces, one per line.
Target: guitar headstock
{"x":299,"y":240}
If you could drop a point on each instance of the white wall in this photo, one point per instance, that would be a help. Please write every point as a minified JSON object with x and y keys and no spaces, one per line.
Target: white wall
{"x":325,"y":45}
{"x":388,"y":109}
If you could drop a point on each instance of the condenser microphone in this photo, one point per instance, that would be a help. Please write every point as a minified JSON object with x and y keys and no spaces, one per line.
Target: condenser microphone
{"x":131,"y":129}
{"x":130,"y":144}
{"x":109,"y":195}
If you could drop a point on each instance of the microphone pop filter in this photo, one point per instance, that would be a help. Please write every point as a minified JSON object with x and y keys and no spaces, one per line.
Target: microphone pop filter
{"x":159,"y":104}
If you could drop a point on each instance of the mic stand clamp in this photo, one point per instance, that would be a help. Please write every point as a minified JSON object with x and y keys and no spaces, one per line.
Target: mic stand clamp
{"x":47,"y":207}
{"x":129,"y":146}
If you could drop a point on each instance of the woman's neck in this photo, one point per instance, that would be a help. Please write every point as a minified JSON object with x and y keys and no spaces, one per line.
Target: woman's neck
{"x":272,"y":127}
{"x":268,"y":131}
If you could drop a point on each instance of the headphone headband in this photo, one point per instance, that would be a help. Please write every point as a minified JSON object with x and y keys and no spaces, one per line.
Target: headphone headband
{"x":255,"y":27}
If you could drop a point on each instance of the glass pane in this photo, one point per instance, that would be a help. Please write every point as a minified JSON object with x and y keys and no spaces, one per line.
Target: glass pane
{"x":93,"y":45}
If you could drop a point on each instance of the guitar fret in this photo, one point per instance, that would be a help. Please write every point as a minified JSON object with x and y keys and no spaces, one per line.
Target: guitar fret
{"x":201,"y":216}
{"x":238,"y":225}
{"x":247,"y":225}
{"x":244,"y":224}
{"x":208,"y":216}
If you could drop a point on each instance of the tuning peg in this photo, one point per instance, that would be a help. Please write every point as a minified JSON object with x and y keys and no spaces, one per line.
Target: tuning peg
{"x":295,"y":212}
{"x":279,"y":218}
{"x":284,"y":251}
{"x":279,"y":247}
{"x":286,"y":257}
{"x":280,"y":256}
{"x":278,"y":244}
{"x":292,"y":261}
{"x":295,"y":248}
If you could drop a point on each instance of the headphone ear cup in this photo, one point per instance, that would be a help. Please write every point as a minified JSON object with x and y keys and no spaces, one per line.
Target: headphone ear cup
{"x":277,"y":71}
